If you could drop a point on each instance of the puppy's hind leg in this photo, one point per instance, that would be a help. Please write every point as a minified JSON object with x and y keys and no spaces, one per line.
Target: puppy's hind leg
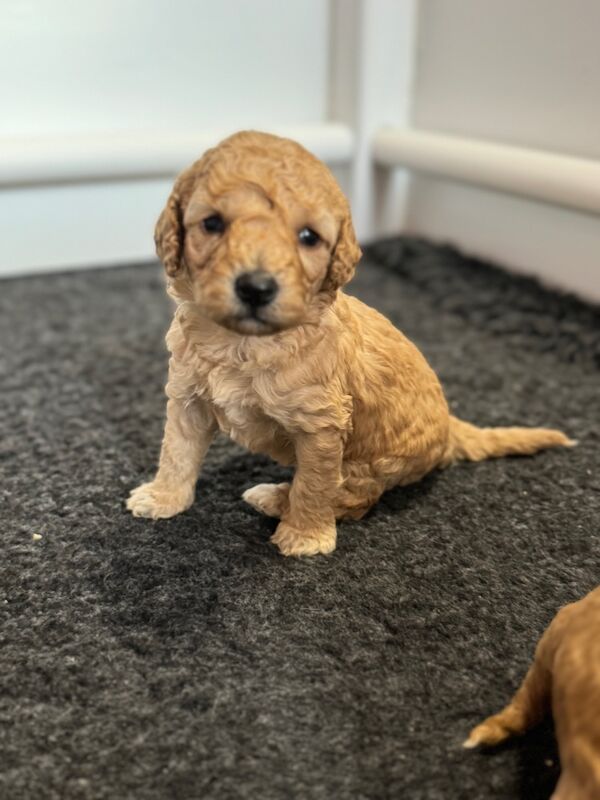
{"x":526,"y":709}
{"x":271,"y":499}
{"x":359,"y":492}
{"x":355,"y":504}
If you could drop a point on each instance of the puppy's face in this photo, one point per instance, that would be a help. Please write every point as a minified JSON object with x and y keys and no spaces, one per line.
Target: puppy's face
{"x":260,"y":233}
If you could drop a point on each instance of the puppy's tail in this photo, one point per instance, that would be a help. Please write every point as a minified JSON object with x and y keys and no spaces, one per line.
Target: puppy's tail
{"x":466,"y":442}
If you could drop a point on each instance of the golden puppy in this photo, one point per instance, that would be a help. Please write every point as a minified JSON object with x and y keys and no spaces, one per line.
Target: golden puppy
{"x":565,"y":677}
{"x":257,"y":241}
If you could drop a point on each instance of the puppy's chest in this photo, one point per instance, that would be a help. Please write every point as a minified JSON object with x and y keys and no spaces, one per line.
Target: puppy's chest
{"x":240,"y":408}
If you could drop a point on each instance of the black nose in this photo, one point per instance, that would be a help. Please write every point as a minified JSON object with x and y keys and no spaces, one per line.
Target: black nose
{"x":256,"y":288}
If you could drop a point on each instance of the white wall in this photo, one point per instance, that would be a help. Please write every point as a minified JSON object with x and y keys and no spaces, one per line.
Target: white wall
{"x":95,"y":66}
{"x":121,"y":91}
{"x":523,"y":73}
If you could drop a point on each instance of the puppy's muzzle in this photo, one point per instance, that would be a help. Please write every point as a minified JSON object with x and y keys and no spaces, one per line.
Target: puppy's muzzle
{"x":256,"y":289}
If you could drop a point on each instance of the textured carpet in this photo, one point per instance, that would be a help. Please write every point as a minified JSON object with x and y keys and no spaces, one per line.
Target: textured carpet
{"x":186,"y":658}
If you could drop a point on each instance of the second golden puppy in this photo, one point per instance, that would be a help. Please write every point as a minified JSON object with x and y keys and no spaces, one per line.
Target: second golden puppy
{"x":257,"y":241}
{"x":565,"y":679}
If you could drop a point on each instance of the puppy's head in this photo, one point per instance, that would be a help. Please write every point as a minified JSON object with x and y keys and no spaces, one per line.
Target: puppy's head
{"x":258,"y":234}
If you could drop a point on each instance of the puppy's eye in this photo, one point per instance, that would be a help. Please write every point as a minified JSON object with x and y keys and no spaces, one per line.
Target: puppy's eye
{"x":214,"y":224}
{"x":308,"y":237}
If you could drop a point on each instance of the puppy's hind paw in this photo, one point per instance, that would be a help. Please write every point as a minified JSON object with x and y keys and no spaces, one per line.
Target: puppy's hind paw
{"x":153,"y":502}
{"x":489,"y":733}
{"x":268,"y":498}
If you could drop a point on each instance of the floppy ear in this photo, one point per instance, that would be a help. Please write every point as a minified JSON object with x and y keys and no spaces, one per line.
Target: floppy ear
{"x":344,"y":258}
{"x":168,"y":234}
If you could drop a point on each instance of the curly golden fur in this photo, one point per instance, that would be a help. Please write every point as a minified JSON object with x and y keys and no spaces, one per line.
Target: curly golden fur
{"x":313,"y":377}
{"x":564,"y":678}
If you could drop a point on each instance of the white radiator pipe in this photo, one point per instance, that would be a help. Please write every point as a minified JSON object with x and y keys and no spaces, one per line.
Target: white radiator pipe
{"x":552,"y":177}
{"x":65,"y":159}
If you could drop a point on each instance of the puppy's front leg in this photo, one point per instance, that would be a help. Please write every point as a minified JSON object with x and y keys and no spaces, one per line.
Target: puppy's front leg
{"x":189,"y":430}
{"x":308,"y":525}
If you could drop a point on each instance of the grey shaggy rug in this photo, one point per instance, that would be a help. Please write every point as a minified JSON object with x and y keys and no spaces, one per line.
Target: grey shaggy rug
{"x":186,"y":658}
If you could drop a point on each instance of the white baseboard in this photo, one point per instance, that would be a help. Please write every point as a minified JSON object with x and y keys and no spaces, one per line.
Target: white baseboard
{"x":118,"y":156}
{"x":531,"y":211}
{"x":551,"y":177}
{"x":560,"y":246}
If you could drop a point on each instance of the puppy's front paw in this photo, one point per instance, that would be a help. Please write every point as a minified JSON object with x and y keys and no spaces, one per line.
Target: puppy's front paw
{"x":268,"y":498}
{"x":149,"y":500}
{"x":293,"y":541}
